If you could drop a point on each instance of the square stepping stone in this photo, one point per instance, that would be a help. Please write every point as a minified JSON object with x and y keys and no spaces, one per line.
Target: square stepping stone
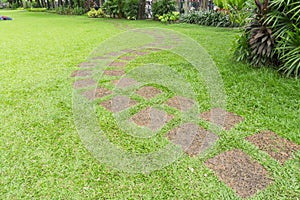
{"x":100,"y":58}
{"x":148,"y":92}
{"x":128,"y":58}
{"x":151,"y":118}
{"x":117,"y":64}
{"x":244,"y":175}
{"x":192,"y":138}
{"x":277,"y":147}
{"x":114,"y":72}
{"x":166,"y":47}
{"x":124,"y":82}
{"x":84,"y":83}
{"x":115,"y":53}
{"x":222,"y":118}
{"x":96,"y":93}
{"x":127,"y":50}
{"x":181,"y":103}
{"x":140,"y":53}
{"x":82,"y":73}
{"x":87,"y":64}
{"x":118,"y":103}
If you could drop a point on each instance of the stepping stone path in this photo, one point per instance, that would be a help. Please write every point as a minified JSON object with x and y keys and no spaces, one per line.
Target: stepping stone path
{"x":192,"y":138}
{"x":220,"y":117}
{"x":240,"y":172}
{"x":235,"y":168}
{"x":278,"y":148}
{"x":124,"y":82}
{"x":118,"y":103}
{"x":181,"y":103}
{"x":148,"y":92}
{"x":84,"y":83}
{"x":151,"y":118}
{"x":97,"y":93}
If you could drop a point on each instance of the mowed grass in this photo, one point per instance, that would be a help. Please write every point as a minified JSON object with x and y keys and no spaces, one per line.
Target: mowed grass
{"x":42,"y":156}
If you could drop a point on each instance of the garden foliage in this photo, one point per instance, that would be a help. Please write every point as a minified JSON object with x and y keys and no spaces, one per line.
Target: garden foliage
{"x":161,"y":7}
{"x":272,"y":36}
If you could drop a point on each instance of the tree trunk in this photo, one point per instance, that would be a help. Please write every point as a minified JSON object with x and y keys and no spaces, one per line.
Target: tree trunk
{"x":142,"y":6}
{"x":204,"y":5}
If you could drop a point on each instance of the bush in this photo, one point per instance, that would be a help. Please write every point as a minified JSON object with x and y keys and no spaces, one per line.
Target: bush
{"x":78,"y":11}
{"x":207,"y":18}
{"x":131,"y":8}
{"x":272,"y":37}
{"x":169,"y":17}
{"x":37,"y":9}
{"x":284,"y":19}
{"x":161,"y":7}
{"x":114,"y":8}
{"x":93,"y":13}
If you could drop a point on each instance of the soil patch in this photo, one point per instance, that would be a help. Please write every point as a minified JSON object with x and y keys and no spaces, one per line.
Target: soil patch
{"x":222,"y":118}
{"x":240,"y":172}
{"x":277,"y":147}
{"x":192,"y":138}
{"x":181,"y":103}
{"x":152,"y":118}
{"x":114,"y":72}
{"x":82,"y":73}
{"x":124,"y":82}
{"x":96,"y":93}
{"x":118,"y":103}
{"x":84,"y":83}
{"x":148,"y":92}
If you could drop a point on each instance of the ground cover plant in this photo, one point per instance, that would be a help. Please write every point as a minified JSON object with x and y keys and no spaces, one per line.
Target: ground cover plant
{"x":42,"y":155}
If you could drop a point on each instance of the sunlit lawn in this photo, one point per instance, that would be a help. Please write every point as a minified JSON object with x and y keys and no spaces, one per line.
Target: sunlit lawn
{"x":42,"y":156}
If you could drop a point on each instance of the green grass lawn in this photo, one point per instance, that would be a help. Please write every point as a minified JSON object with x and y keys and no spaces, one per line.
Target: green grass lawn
{"x":42,"y":156}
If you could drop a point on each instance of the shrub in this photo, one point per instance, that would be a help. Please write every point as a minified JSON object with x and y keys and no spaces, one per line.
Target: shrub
{"x":161,"y":7}
{"x":272,"y":37}
{"x":78,"y":11}
{"x":169,"y":17}
{"x":114,"y":8}
{"x":284,"y":19}
{"x":260,"y":46}
{"x":131,"y":8}
{"x":93,"y":13}
{"x":207,"y":18}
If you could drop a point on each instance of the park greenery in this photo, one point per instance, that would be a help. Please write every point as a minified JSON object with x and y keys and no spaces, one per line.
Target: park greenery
{"x":42,"y":156}
{"x":269,"y":28}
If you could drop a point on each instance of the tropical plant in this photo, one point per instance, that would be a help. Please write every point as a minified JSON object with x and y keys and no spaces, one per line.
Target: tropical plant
{"x":161,"y":7}
{"x":93,"y":13}
{"x":131,"y":8}
{"x":284,"y":19}
{"x":114,"y":8}
{"x":260,"y":46}
{"x":169,"y":17}
{"x":207,"y":18}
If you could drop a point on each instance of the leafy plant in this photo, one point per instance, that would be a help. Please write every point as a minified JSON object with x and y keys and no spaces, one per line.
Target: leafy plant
{"x":207,"y":18}
{"x":93,"y":13}
{"x":114,"y":8}
{"x":284,"y":18}
{"x":259,"y":38}
{"x":78,"y":11}
{"x":161,"y":7}
{"x":169,"y":17}
{"x":131,"y":8}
